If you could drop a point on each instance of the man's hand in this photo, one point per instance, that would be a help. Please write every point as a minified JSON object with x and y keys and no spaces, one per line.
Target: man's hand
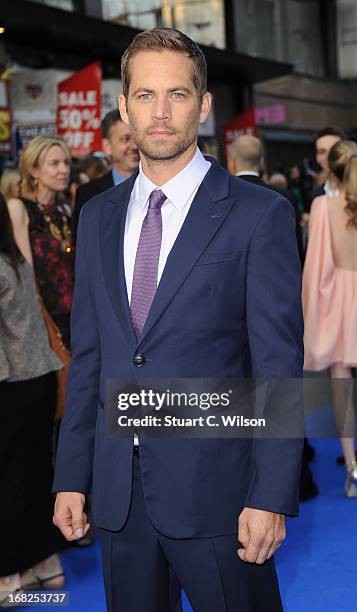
{"x":69,"y":516}
{"x":260,"y":533}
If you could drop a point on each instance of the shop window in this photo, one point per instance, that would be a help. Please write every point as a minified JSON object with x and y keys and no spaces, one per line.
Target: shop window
{"x":282,"y":30}
{"x":347,"y":38}
{"x":202,"y":20}
{"x":303,"y":37}
{"x":256,"y":28}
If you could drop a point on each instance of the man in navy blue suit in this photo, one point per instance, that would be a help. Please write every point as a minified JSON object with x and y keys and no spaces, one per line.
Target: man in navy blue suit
{"x":182,"y":271}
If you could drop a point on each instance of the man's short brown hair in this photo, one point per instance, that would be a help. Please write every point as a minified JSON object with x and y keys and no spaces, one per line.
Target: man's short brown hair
{"x":166,"y":38}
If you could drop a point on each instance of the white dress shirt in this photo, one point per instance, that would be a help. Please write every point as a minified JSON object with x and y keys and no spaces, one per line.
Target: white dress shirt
{"x":180,"y":192}
{"x":247,"y":173}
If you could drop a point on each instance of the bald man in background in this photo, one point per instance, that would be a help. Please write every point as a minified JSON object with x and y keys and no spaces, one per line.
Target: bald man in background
{"x":245,"y":159}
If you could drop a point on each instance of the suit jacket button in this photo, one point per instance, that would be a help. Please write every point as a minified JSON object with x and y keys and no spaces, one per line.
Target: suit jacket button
{"x":139,"y":360}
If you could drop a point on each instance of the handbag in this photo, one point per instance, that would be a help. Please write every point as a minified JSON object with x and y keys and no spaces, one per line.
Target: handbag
{"x":63,"y":354}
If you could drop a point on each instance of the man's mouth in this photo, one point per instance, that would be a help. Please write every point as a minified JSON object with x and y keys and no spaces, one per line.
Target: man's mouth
{"x":160,"y":133}
{"x":160,"y":130}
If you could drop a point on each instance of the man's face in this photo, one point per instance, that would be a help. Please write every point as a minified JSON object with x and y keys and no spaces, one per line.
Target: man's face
{"x":121,"y":148}
{"x":162,"y":106}
{"x":323,"y":147}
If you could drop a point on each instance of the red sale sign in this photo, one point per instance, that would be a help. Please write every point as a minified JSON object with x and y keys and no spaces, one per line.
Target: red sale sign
{"x":78,"y":110}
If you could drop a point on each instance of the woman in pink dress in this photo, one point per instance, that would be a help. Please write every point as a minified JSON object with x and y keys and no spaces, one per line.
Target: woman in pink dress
{"x":330,"y":294}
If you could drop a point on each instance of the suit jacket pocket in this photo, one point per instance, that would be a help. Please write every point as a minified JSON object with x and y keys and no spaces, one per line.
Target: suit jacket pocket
{"x":220,"y":257}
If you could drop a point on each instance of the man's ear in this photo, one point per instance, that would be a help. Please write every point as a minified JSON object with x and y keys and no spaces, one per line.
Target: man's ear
{"x":231,"y":163}
{"x":122,"y":109}
{"x":205,"y":106}
{"x":106,"y":147}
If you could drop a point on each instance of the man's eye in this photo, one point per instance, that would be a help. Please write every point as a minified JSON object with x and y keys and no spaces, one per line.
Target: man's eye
{"x":145,"y":96}
{"x":177,"y":95}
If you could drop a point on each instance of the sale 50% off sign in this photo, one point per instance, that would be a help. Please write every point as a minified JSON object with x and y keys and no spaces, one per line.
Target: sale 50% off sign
{"x":79,"y":111}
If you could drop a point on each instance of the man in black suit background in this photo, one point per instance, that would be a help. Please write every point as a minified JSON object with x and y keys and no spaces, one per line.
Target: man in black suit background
{"x":245,"y":159}
{"x":324,"y":140}
{"x":118,"y":144}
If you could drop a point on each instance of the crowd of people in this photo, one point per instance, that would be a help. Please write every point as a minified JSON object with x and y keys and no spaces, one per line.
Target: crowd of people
{"x":40,"y":204}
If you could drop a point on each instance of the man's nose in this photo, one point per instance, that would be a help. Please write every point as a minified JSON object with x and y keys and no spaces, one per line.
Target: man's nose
{"x":132,"y":145}
{"x":161,"y":108}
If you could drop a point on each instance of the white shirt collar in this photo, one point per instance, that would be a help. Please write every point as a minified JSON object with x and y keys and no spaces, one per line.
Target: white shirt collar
{"x":178,"y":189}
{"x":247,"y":173}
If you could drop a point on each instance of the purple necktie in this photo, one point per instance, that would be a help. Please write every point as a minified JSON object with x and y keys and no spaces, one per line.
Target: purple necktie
{"x":147,"y":262}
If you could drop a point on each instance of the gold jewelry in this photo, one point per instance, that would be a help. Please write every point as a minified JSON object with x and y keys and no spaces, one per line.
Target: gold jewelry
{"x":63,"y":235}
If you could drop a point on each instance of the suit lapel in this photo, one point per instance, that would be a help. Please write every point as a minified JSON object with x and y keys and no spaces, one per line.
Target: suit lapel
{"x":112,"y":229}
{"x":207,"y":212}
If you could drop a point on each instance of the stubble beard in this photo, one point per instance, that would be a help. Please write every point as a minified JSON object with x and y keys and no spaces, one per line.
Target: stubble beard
{"x":161,"y":150}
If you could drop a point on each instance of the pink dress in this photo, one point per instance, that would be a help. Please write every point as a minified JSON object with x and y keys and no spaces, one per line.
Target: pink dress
{"x":329,"y":296}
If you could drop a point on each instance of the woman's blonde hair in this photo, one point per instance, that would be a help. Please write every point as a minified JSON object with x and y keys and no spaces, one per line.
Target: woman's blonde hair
{"x":342,"y":161}
{"x":31,"y":157}
{"x":9,"y":184}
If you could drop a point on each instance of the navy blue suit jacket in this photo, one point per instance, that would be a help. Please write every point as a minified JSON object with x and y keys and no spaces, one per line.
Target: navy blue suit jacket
{"x":228,"y":305}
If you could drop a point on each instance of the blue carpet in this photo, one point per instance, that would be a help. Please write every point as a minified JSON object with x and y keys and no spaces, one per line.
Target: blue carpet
{"x":317,"y":564}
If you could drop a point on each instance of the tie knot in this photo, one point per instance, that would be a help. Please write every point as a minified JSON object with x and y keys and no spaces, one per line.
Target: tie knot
{"x":156,"y":199}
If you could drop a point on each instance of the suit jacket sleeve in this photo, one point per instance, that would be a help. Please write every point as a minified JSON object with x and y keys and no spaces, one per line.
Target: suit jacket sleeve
{"x":74,"y":462}
{"x":275,"y":332}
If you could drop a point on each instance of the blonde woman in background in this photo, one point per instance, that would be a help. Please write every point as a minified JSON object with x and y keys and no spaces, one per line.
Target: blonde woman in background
{"x":42,"y":232}
{"x":42,"y":224}
{"x":330,"y":294}
{"x":9,"y":184}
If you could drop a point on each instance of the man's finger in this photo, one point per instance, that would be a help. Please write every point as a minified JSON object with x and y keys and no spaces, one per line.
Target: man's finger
{"x":78,"y":522}
{"x":250,"y":549}
{"x":243,"y":531}
{"x":268,"y":542}
{"x":243,"y":536}
{"x":67,"y":531}
{"x":247,"y":555}
{"x":241,"y":554}
{"x":278,"y":540}
{"x":70,"y":534}
{"x":273,"y":549}
{"x":80,"y":532}
{"x":264,"y":551}
{"x":250,"y":553}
